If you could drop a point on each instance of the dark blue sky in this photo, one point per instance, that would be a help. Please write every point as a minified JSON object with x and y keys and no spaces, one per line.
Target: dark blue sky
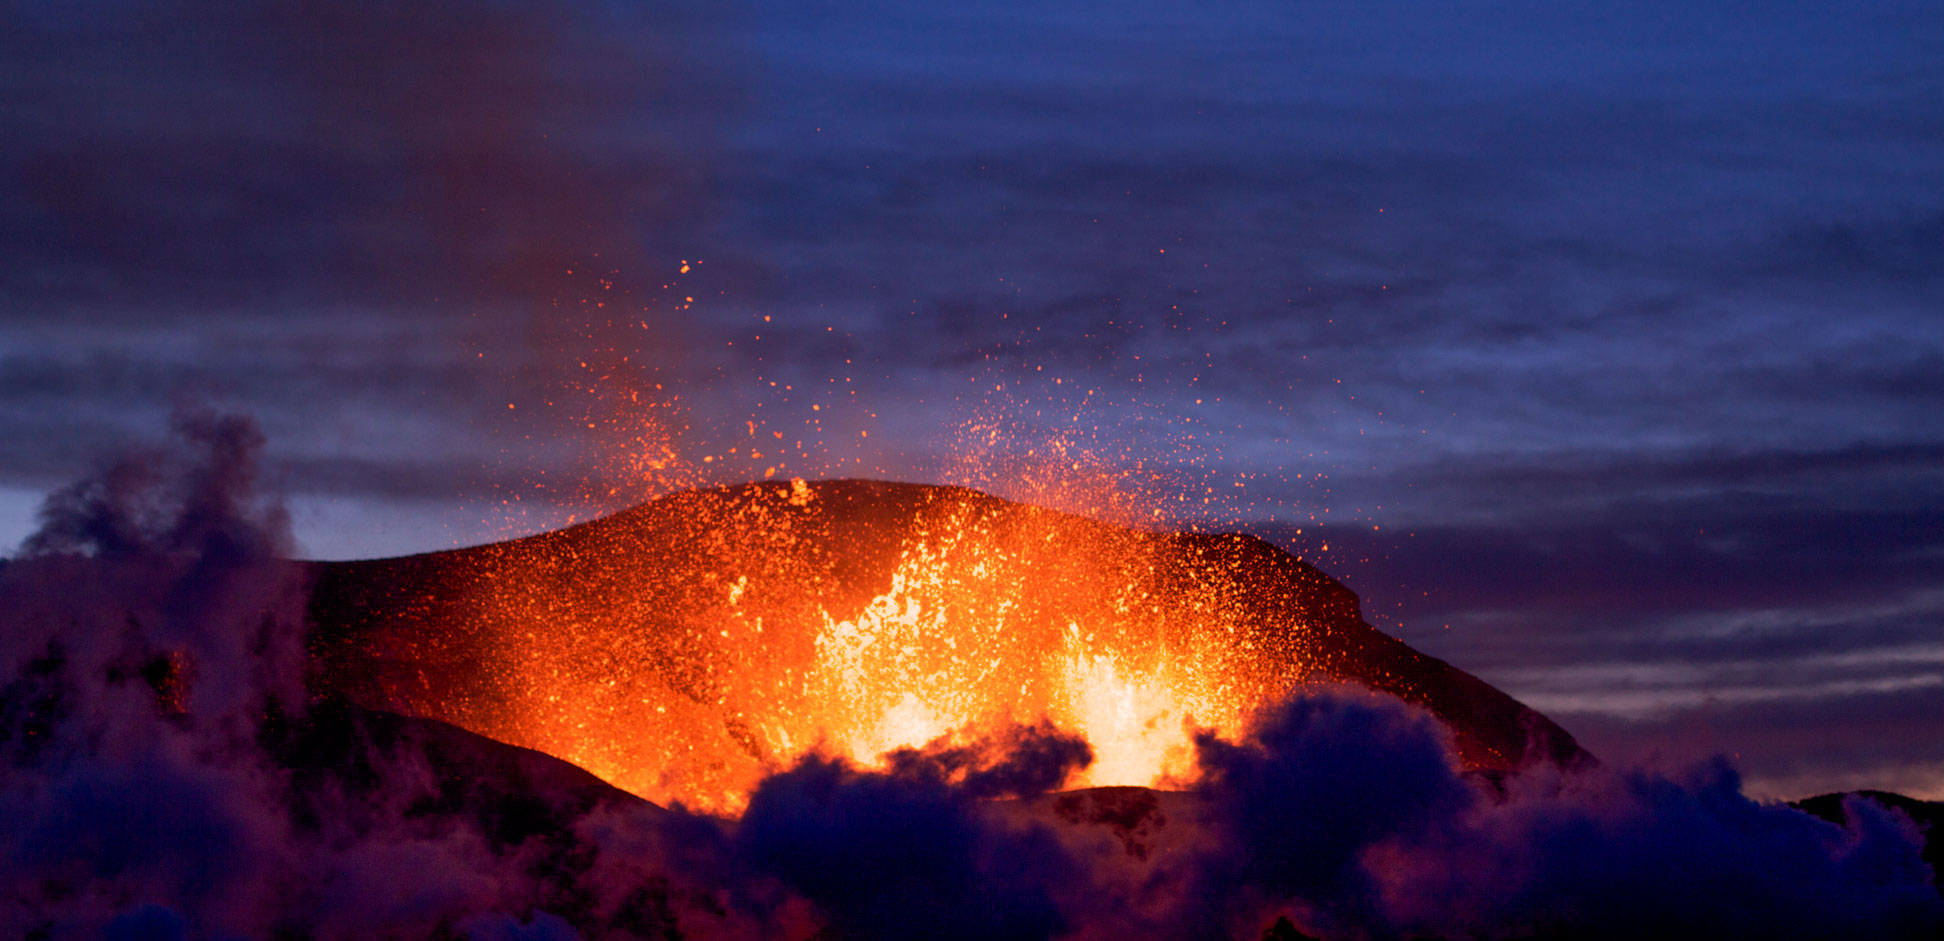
{"x":1624,"y":324}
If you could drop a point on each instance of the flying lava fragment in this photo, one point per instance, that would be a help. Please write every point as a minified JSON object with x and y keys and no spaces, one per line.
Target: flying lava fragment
{"x":685,"y":648}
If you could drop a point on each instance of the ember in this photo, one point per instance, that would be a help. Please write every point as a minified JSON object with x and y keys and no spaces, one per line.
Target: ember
{"x":686,"y":648}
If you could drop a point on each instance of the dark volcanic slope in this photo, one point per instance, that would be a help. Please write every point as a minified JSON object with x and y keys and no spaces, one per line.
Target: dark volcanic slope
{"x":698,"y":613}
{"x":1928,"y":815}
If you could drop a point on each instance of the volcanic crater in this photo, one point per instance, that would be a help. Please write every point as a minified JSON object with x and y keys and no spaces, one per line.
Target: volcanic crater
{"x":684,"y":648}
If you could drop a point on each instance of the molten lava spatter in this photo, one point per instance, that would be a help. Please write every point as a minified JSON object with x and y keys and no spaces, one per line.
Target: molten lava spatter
{"x":683,"y":649}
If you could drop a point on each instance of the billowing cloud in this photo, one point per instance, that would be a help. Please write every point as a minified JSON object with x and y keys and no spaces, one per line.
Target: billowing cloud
{"x":168,"y":775}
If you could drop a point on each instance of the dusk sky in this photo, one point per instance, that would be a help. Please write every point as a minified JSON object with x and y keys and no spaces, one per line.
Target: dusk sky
{"x":1609,"y":336}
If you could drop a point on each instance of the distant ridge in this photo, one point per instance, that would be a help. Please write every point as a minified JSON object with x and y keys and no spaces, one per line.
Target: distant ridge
{"x":1928,"y":815}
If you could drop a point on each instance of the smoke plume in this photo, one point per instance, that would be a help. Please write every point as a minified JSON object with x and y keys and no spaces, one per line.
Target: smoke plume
{"x":1347,"y":813}
{"x":165,"y":773}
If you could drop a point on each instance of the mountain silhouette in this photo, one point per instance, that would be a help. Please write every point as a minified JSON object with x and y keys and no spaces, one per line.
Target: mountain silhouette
{"x":680,"y":647}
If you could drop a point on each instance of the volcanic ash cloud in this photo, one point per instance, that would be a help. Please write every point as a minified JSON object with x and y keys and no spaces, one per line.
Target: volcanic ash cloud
{"x":165,"y":772}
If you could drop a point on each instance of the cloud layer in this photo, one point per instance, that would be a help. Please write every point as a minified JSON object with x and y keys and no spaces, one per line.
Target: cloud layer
{"x":165,"y":775}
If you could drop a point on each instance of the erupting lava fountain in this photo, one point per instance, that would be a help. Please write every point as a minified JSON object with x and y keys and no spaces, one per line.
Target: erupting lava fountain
{"x":684,"y":648}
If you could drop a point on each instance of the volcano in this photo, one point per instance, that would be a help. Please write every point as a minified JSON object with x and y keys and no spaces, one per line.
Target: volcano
{"x":682,"y":648}
{"x":850,"y":710}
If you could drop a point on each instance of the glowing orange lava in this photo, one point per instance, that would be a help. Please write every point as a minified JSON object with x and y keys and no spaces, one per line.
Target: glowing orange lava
{"x":683,"y":649}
